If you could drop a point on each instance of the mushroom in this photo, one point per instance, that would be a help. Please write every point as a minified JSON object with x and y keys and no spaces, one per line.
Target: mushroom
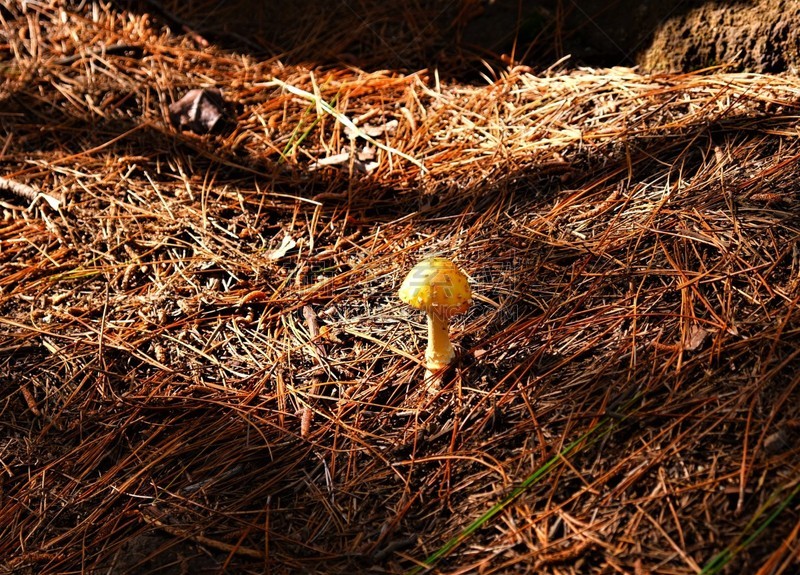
{"x":437,"y":286}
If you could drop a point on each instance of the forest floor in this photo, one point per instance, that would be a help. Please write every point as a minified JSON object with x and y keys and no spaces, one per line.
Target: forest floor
{"x":205,"y":368}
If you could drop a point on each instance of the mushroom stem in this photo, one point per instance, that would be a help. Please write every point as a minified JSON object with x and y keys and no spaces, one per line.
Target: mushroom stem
{"x":437,"y":286}
{"x":439,"y":352}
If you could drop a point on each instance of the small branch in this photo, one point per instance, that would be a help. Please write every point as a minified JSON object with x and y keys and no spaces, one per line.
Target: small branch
{"x":208,"y":542}
{"x":18,"y":189}
{"x":120,"y":48}
{"x":319,"y":352}
{"x":28,"y":192}
{"x":28,"y":396}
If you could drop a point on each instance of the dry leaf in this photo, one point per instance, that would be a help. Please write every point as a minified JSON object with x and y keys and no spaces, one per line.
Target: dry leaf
{"x":54,"y":203}
{"x":777,"y":442}
{"x":306,"y":415}
{"x":373,"y":131}
{"x":335,"y":160}
{"x":367,"y":153}
{"x":287,"y":244}
{"x":360,"y":164}
{"x":199,"y":110}
{"x":329,"y":334}
{"x":695,"y":338}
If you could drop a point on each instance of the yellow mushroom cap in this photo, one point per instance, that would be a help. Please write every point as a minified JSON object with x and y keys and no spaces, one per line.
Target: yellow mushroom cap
{"x":436,"y":284}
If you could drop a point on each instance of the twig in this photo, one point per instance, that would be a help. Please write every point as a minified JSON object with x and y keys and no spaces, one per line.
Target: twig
{"x":118,"y":48}
{"x":28,"y":192}
{"x":202,"y":540}
{"x":26,"y":393}
{"x":318,"y":350}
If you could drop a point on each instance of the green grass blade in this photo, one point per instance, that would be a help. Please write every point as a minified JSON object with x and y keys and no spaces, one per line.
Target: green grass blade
{"x":294,"y":139}
{"x":344,"y":120}
{"x":602,"y":428}
{"x":718,"y":561}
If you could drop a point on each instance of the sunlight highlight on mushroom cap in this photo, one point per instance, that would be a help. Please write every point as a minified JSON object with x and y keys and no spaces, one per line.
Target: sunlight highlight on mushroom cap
{"x":436,"y":283}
